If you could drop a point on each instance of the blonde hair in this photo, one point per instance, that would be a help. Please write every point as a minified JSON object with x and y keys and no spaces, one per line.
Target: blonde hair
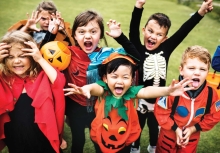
{"x":196,"y":52}
{"x":47,"y":6}
{"x":19,"y":37}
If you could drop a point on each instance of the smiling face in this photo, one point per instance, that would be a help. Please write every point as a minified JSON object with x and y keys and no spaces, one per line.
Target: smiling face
{"x":119,"y":81}
{"x":195,"y":70}
{"x":154,"y":35}
{"x":16,"y":62}
{"x":88,"y":36}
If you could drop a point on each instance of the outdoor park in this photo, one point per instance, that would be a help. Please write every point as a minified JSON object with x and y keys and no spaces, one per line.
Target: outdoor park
{"x":206,"y":34}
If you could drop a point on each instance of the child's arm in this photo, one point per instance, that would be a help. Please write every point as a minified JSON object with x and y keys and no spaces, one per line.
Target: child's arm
{"x":35,"y":53}
{"x":205,"y":7}
{"x":87,"y":90}
{"x":175,"y":89}
{"x":116,"y":33}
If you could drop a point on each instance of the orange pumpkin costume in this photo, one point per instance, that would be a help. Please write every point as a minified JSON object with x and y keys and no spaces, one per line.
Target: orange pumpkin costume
{"x":118,"y":127}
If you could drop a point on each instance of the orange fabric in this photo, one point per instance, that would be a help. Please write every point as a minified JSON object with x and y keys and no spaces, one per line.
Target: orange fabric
{"x":61,"y":35}
{"x":117,"y":55}
{"x":113,"y":133}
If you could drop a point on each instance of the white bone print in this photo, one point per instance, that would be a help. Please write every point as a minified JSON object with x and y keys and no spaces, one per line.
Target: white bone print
{"x":154,"y":67}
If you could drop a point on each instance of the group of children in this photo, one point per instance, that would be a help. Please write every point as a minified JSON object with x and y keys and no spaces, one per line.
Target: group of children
{"x":96,"y":91}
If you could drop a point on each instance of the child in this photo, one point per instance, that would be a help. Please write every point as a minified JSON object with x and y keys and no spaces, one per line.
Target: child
{"x":155,"y":54}
{"x":87,"y":31}
{"x":216,"y":60}
{"x":31,"y":102}
{"x":116,"y":123}
{"x":182,"y":119}
{"x":42,"y":15}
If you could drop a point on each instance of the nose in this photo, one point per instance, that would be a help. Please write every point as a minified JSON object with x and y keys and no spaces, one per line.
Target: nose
{"x":87,"y":35}
{"x":197,"y":72}
{"x":17,"y":60}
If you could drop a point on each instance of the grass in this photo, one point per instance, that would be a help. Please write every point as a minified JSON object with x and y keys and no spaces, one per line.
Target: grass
{"x":206,"y":34}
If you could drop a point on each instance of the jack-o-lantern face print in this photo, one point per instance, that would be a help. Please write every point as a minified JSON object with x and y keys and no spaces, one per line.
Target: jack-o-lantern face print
{"x":113,"y":132}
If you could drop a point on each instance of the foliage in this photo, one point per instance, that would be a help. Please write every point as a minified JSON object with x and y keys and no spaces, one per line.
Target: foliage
{"x":206,"y":34}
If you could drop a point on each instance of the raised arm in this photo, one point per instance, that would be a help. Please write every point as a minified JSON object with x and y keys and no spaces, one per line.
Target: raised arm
{"x":116,"y":33}
{"x":35,"y":53}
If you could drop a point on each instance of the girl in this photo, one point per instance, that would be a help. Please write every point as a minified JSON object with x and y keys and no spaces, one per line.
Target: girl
{"x":116,"y":125}
{"x":32,"y":101}
{"x":87,"y":30}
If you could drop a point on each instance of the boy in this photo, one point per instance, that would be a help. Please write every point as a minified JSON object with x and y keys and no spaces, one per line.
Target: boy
{"x":45,"y":12}
{"x":181,"y":119}
{"x":155,"y":55}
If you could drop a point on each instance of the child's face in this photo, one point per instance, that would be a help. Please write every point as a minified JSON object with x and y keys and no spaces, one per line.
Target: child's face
{"x":195,"y":70}
{"x":154,"y":35}
{"x":16,"y":62}
{"x":88,"y":36}
{"x":119,"y":81}
{"x":45,"y":19}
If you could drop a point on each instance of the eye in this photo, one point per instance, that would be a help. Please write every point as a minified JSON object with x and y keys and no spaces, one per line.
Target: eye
{"x":105,"y":126}
{"x":121,"y":130}
{"x":203,"y":69}
{"x":81,"y":32}
{"x":93,"y":31}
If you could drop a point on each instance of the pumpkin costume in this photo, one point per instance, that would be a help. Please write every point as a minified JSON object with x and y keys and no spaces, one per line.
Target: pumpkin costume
{"x":116,"y":123}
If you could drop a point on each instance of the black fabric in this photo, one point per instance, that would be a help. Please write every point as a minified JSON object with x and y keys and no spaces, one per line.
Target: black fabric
{"x":209,"y":102}
{"x":22,"y":134}
{"x":79,"y":118}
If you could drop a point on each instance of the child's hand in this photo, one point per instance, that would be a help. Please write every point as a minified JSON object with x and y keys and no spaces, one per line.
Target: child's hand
{"x":205,"y":7}
{"x":4,"y":51}
{"x":115,"y":29}
{"x":32,"y":51}
{"x":186,"y":134}
{"x":179,"y":137}
{"x":56,"y":23}
{"x":77,"y":90}
{"x":32,"y":22}
{"x":140,"y":3}
{"x":178,"y":89}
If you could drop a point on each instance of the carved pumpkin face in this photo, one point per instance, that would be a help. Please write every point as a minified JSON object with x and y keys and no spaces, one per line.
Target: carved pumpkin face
{"x":56,"y":54}
{"x":113,"y":133}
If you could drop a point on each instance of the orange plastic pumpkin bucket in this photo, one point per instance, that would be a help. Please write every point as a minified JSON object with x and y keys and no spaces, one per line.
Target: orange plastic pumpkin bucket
{"x":213,"y":80}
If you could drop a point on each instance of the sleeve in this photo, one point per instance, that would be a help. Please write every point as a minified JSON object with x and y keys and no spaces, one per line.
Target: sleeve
{"x":129,"y":47}
{"x":213,"y":117}
{"x":183,"y":31}
{"x":216,"y":60}
{"x":134,"y":34}
{"x":48,"y":37}
{"x":162,"y":111}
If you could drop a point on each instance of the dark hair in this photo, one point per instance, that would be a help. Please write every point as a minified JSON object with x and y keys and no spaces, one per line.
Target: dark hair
{"x":162,"y":19}
{"x":113,"y":65}
{"x":47,"y":6}
{"x":84,"y":18}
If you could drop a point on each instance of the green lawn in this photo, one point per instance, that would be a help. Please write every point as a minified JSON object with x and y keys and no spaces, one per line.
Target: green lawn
{"x":205,"y":34}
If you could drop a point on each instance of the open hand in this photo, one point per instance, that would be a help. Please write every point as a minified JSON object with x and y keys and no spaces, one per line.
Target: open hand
{"x":115,"y":29}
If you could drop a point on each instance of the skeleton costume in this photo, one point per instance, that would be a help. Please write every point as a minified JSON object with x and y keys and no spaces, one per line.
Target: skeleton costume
{"x":153,"y":66}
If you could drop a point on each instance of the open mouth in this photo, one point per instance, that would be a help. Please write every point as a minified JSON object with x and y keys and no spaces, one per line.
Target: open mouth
{"x":88,"y":44}
{"x":111,"y":146}
{"x":151,"y":43}
{"x":118,"y":90}
{"x":195,"y":82}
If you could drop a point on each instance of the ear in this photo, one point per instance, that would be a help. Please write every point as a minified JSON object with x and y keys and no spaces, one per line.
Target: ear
{"x":143,"y":31}
{"x":165,"y":38}
{"x":181,"y":70}
{"x":104,"y":78}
